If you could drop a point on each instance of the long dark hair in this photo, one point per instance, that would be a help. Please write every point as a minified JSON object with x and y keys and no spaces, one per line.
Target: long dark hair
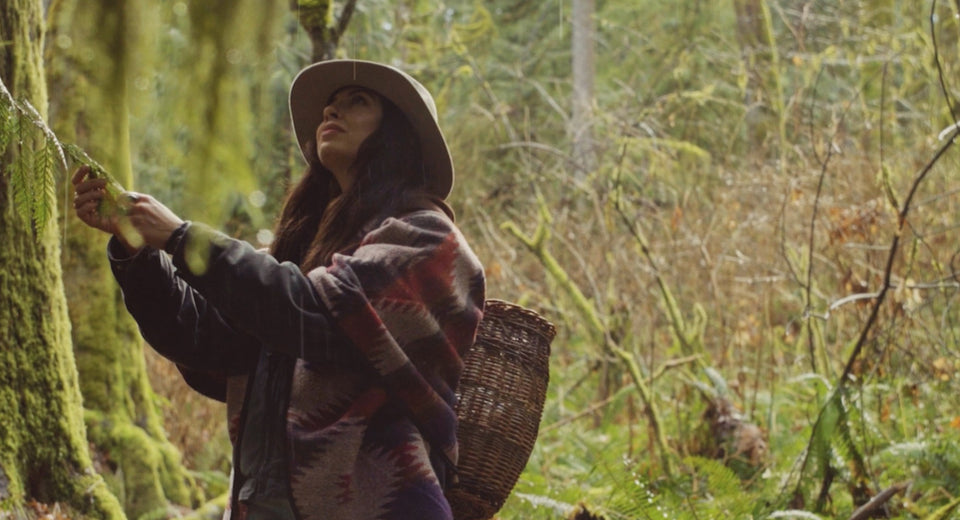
{"x":318,"y":220}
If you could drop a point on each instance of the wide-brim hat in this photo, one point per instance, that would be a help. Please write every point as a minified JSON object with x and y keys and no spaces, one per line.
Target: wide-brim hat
{"x":313,"y":87}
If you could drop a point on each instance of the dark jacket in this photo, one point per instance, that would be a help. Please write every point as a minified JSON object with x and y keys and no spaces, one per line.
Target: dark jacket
{"x":339,"y":384}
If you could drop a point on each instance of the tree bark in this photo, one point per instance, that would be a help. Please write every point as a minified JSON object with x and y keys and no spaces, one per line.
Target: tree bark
{"x":584,"y":70}
{"x":763,"y":96}
{"x":317,"y":18}
{"x":43,"y":443}
{"x":90,"y":69}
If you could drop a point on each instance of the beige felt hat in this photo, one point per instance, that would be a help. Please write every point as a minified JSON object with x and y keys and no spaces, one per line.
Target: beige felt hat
{"x":314,"y":85}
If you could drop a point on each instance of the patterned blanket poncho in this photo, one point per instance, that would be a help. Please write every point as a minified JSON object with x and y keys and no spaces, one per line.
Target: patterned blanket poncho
{"x":366,"y":413}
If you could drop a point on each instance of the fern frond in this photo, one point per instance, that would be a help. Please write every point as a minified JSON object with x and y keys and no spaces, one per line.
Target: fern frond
{"x":44,"y":196}
{"x":33,"y":169}
{"x":723,"y":484}
{"x":49,"y":138}
{"x":821,"y":442}
{"x":721,"y":480}
{"x":79,"y":156}
{"x":845,"y":445}
{"x":6,"y":124}
{"x":21,"y":182}
{"x":634,"y":500}
{"x":20,"y":186}
{"x":111,"y":203}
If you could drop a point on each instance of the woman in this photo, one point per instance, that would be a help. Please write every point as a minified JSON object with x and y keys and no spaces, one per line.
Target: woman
{"x":339,"y":352}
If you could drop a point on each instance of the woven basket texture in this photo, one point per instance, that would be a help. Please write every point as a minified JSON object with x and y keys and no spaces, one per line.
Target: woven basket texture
{"x":502,"y":391}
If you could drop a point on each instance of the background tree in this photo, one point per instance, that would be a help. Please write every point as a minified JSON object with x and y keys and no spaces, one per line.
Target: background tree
{"x":763,"y":91}
{"x":43,"y":444}
{"x":95,"y":85}
{"x":324,"y":27}
{"x":583,"y":72}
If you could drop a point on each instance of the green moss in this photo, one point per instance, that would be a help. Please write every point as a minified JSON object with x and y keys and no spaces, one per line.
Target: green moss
{"x":212,"y":510}
{"x":43,"y":447}
{"x":92,"y":80}
{"x":315,"y":14}
{"x":144,"y":473}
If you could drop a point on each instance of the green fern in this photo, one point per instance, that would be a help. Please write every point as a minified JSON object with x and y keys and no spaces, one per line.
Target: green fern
{"x":720,"y":480}
{"x":33,"y":167}
{"x":721,"y":491}
{"x":821,"y":441}
{"x":21,"y":182}
{"x":831,"y":448}
{"x":7,"y":121}
{"x":44,"y":196}
{"x":846,"y":447}
{"x":708,"y":490}
{"x":634,"y":499}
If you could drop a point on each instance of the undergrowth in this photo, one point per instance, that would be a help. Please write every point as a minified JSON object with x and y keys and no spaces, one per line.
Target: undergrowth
{"x":723,"y":350}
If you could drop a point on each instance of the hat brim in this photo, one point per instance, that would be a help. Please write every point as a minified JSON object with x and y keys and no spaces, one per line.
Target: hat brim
{"x":314,"y":85}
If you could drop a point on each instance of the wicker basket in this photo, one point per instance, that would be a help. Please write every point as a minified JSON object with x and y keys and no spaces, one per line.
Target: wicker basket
{"x":502,"y":390}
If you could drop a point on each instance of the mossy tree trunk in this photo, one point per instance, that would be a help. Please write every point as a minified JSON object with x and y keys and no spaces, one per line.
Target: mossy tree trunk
{"x":317,"y":18}
{"x":228,"y":43}
{"x":91,"y":69}
{"x":43,"y":444}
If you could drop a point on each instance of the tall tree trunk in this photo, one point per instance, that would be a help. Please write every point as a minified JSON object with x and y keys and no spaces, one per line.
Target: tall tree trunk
{"x":92,"y":76}
{"x":584,"y":70}
{"x":211,"y":132}
{"x":43,"y":444}
{"x":763,"y":96}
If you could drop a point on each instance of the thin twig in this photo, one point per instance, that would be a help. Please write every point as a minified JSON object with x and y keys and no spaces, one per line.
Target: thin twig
{"x":888,"y":271}
{"x":674,"y":363}
{"x":872,"y":507}
{"x":783,"y":237}
{"x":947,"y":98}
{"x":344,"y":19}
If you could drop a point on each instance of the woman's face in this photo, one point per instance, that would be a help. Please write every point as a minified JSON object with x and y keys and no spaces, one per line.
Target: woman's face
{"x":352,"y":114}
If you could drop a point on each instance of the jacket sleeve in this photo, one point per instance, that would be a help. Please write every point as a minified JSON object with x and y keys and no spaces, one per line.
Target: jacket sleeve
{"x":268,"y":300}
{"x":176,"y":320}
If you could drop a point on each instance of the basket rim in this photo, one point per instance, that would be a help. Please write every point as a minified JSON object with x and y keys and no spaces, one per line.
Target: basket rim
{"x":520,"y":315}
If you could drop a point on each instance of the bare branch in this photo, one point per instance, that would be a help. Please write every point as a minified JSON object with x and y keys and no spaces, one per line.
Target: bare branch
{"x":871,"y":508}
{"x":343,"y":20}
{"x":888,"y":271}
{"x":947,"y":98}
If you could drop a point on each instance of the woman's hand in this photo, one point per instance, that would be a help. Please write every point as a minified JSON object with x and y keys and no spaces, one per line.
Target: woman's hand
{"x":144,"y":219}
{"x":86,"y":201}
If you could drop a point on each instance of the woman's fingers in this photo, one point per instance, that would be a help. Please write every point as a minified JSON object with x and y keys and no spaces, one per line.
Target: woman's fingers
{"x":78,"y":175}
{"x":88,"y":213}
{"x":89,"y":185}
{"x":86,"y":202}
{"x":141,"y":214}
{"x":93,"y":192}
